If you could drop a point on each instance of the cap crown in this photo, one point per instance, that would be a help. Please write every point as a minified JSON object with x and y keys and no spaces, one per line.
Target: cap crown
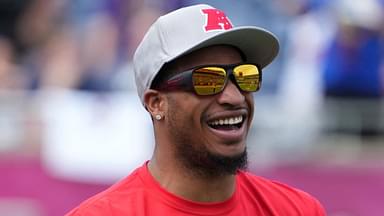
{"x":173,"y":34}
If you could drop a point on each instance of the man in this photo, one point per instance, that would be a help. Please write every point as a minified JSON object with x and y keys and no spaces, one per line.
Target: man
{"x":195,"y":75}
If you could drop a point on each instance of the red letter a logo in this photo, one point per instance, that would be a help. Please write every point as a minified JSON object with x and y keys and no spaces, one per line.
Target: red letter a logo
{"x":216,"y":20}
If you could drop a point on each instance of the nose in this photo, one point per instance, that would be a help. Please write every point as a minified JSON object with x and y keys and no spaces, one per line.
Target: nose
{"x":231,"y":95}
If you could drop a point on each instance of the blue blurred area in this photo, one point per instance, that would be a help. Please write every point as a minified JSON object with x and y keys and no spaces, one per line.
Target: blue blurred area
{"x":353,"y":68}
{"x":71,"y":123}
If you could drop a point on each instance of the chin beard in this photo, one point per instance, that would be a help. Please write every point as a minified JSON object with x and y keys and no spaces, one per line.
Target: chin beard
{"x":194,"y":156}
{"x":202,"y":163}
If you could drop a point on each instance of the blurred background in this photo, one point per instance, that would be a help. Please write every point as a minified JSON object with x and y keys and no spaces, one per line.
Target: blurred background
{"x":71,"y":123}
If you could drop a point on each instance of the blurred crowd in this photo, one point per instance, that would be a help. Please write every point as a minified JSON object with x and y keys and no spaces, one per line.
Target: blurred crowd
{"x":70,"y":44}
{"x":329,"y":75}
{"x":87,"y":45}
{"x":67,"y":89}
{"x":330,"y":68}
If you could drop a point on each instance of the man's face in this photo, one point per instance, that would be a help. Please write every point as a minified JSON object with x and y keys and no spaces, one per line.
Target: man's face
{"x":209,"y":132}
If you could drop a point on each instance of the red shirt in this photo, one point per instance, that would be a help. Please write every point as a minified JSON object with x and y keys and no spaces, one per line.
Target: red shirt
{"x":139,"y":194}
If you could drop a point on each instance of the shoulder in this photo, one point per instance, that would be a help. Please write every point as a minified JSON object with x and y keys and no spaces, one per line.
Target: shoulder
{"x":105,"y":202}
{"x":278,"y":195}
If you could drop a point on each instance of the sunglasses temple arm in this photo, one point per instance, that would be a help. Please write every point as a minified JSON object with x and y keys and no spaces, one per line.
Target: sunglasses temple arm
{"x":181,"y":81}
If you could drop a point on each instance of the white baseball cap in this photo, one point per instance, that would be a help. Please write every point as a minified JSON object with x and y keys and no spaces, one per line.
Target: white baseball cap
{"x":191,"y":28}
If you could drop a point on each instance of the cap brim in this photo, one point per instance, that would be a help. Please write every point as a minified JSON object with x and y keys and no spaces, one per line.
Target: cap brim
{"x":258,"y":45}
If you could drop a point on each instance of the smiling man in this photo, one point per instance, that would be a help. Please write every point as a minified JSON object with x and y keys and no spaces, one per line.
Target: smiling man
{"x":195,"y":75}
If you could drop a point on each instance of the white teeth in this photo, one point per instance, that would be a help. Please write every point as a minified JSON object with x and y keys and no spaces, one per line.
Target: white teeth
{"x":227,"y":121}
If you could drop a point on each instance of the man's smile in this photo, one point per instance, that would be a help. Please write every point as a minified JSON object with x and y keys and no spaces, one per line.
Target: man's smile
{"x":229,"y":126}
{"x":229,"y":123}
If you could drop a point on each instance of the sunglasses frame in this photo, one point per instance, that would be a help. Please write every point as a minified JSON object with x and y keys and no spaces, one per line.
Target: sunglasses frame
{"x":184,"y":80}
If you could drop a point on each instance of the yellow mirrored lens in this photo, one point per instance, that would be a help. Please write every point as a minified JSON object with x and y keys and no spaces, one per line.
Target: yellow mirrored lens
{"x":247,"y":77}
{"x":208,"y":80}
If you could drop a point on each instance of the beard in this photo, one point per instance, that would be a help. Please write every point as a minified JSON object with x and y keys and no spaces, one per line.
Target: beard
{"x":194,"y":155}
{"x":203,"y":163}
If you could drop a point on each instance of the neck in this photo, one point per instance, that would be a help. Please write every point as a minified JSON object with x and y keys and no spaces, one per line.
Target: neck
{"x":186,"y":184}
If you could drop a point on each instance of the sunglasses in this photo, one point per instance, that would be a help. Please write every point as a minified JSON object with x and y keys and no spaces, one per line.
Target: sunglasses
{"x":212,"y":79}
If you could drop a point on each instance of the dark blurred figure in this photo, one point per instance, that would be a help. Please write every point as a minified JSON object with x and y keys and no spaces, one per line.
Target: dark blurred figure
{"x":10,"y":13}
{"x":11,"y":77}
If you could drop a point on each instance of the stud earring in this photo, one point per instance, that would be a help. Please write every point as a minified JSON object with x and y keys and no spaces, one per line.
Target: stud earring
{"x":158,"y":117}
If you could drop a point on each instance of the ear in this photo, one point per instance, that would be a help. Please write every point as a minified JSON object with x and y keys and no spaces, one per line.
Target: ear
{"x":154,"y":102}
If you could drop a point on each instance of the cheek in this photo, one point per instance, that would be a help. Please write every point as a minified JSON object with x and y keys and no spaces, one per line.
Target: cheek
{"x":184,"y":108}
{"x":249,"y":99}
{"x":184,"y":121}
{"x":250,"y":102}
